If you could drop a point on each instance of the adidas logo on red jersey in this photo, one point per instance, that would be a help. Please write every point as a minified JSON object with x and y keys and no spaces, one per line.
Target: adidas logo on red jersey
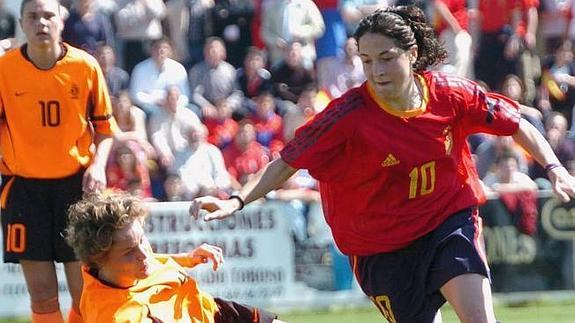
{"x":390,"y":160}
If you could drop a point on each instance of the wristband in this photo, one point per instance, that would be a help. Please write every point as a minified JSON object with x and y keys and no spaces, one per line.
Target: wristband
{"x":240,"y":200}
{"x":551,"y":166}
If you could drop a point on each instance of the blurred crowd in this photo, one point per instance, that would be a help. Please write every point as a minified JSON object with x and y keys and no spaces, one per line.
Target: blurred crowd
{"x":208,"y":91}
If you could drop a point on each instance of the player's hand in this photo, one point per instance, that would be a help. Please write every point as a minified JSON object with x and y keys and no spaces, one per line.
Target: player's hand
{"x":205,"y":253}
{"x":94,"y":179}
{"x":217,"y":209}
{"x":563,"y":183}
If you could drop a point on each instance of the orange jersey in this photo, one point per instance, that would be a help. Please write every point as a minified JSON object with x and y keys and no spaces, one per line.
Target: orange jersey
{"x":48,"y":117}
{"x":167,"y":295}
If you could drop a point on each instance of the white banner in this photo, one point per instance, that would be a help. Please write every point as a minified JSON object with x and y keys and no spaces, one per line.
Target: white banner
{"x":258,"y":249}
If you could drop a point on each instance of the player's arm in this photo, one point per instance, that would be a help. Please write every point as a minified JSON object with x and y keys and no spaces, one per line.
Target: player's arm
{"x":95,"y":175}
{"x":199,"y":255}
{"x":535,"y":144}
{"x":273,"y":176}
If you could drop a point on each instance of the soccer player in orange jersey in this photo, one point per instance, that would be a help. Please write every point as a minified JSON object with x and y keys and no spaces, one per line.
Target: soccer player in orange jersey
{"x":55,"y":134}
{"x":397,"y":182}
{"x":124,"y":281}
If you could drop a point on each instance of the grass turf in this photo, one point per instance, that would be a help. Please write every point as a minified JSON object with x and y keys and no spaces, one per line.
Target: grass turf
{"x":560,"y":312}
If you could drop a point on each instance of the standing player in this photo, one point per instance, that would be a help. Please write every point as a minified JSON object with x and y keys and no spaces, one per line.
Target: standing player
{"x":398,"y":185}
{"x":55,"y":136}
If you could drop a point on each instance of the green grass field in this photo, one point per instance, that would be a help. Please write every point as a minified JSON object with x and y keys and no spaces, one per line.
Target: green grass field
{"x":531,"y":313}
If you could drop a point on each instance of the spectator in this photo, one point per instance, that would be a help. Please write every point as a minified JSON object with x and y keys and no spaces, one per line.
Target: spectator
{"x":168,"y":124}
{"x":290,"y":76}
{"x":132,"y":122}
{"x":7,"y":27}
{"x":245,"y":157}
{"x":189,"y":23}
{"x":452,"y":30}
{"x":231,"y":21}
{"x":213,"y":80}
{"x":506,"y":177}
{"x":127,"y":167}
{"x":559,"y":83}
{"x":341,"y":73}
{"x":287,"y":21}
{"x":488,"y":152}
{"x":563,"y":146}
{"x":222,"y":128}
{"x":513,"y":88}
{"x":151,"y":77}
{"x":201,"y":166}
{"x":137,"y":22}
{"x":116,"y":78}
{"x":253,"y":78}
{"x":507,"y":29}
{"x":353,"y":11}
{"x":554,"y":23}
{"x":300,"y":113}
{"x":87,"y":28}
{"x":174,"y":189}
{"x":331,"y":44}
{"x":268,"y":123}
{"x":517,"y":192}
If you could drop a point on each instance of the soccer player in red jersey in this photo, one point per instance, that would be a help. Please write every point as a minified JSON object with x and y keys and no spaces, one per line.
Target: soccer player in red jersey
{"x":398,"y":185}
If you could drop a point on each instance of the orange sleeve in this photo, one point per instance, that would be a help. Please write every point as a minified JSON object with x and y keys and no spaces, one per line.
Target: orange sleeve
{"x":101,"y":110}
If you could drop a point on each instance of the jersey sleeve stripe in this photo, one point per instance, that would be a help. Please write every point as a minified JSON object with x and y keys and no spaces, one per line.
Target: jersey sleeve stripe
{"x":322,"y":123}
{"x":101,"y":118}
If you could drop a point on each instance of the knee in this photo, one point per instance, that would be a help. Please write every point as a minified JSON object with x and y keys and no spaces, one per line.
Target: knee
{"x":43,"y":306}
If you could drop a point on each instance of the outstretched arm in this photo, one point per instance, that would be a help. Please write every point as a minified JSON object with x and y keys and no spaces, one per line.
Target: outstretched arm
{"x":199,"y":255}
{"x":536,"y":145}
{"x":273,"y":176}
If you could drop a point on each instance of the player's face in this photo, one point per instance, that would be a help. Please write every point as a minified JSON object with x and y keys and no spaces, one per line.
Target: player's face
{"x":386,"y":66}
{"x":41,"y":22}
{"x":130,"y":257}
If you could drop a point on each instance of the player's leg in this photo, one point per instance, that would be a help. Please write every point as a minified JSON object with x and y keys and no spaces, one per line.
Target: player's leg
{"x":74,"y":279}
{"x":42,"y":284}
{"x":66,"y":192}
{"x":470,"y":297}
{"x":459,"y":271}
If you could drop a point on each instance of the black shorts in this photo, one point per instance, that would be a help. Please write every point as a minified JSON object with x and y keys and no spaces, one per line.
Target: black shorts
{"x":405,"y":284}
{"x":35,"y":215}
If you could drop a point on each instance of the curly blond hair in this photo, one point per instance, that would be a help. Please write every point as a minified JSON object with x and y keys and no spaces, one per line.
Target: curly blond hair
{"x":93,"y":220}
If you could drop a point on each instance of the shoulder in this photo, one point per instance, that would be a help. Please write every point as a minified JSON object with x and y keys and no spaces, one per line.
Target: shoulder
{"x":352,"y":101}
{"x":449,"y":85}
{"x":12,"y":56}
{"x":445,"y":82}
{"x":78,"y":54}
{"x":143,"y":66}
{"x":175,"y":65}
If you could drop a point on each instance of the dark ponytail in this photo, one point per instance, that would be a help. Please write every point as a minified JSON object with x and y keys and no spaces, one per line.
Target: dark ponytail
{"x":407,"y":26}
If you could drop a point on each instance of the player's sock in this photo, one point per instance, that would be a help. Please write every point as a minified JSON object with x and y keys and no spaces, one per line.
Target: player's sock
{"x":74,"y":317}
{"x":47,"y":311}
{"x":54,"y":317}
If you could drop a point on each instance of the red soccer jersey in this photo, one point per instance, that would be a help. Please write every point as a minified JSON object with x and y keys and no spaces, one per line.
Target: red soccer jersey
{"x":388,"y":178}
{"x":458,"y":9}
{"x":497,"y":14}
